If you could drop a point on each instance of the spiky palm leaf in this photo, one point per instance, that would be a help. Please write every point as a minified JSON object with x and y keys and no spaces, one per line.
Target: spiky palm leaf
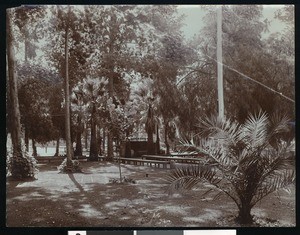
{"x":254,"y":130}
{"x":273,"y":183}
{"x":248,"y":168}
{"x":224,"y":129}
{"x":278,"y":123}
{"x":188,"y":177}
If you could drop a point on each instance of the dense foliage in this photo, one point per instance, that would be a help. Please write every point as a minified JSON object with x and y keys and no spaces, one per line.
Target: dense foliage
{"x":132,"y":72}
{"x":246,"y":161}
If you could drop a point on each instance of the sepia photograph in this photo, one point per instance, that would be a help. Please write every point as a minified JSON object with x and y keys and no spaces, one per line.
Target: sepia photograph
{"x":150,"y":116}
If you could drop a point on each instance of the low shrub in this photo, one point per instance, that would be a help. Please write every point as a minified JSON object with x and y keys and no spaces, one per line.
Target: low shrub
{"x":22,"y":166}
{"x":73,"y":166}
{"x":124,"y":180}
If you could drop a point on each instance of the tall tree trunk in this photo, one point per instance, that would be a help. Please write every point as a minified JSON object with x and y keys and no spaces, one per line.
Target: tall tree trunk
{"x":110,"y":134}
{"x":27,"y":139}
{"x":26,"y":45}
{"x":93,"y":144}
{"x":8,"y":107}
{"x":13,"y":87}
{"x":157,"y":139}
{"x":57,"y":147}
{"x":67,"y":94}
{"x":166,"y":138}
{"x":99,"y":140}
{"x":78,"y":150}
{"x":34,"y":150}
{"x":86,"y":137}
{"x":150,"y":149}
{"x":110,"y":150}
{"x":103,"y":140}
{"x":150,"y":129}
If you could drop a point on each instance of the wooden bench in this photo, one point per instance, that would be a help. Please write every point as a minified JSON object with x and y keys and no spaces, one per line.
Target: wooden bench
{"x":48,"y":159}
{"x":100,"y":158}
{"x":52,"y":159}
{"x":186,"y":160}
{"x":142,"y":162}
{"x":79,"y":157}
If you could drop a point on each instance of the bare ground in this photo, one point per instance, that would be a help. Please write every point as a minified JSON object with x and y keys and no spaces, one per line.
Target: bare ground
{"x":91,"y":200}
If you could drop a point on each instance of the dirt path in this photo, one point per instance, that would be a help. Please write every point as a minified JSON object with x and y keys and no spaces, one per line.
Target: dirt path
{"x":91,"y":200}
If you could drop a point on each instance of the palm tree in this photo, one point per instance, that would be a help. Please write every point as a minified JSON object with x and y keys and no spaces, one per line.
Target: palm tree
{"x":150,"y":129}
{"x":77,"y":105}
{"x":19,"y":163}
{"x":247,"y":161}
{"x":92,"y":91}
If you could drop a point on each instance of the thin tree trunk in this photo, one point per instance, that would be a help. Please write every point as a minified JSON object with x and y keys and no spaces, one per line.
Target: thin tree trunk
{"x":93,"y":144}
{"x":27,"y":139}
{"x":157,"y":140}
{"x":111,"y":94}
{"x":120,"y":169}
{"x":8,"y":107}
{"x":150,"y":129}
{"x":57,"y":147}
{"x":67,"y":95}
{"x":166,"y":138}
{"x":103,"y":140}
{"x":150,"y":149}
{"x":34,"y":148}
{"x":99,"y":140}
{"x":86,"y":137}
{"x":78,"y":150}
{"x":110,"y":150}
{"x":117,"y":145}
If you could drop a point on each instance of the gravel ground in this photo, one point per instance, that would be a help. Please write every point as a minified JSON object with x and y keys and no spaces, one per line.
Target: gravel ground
{"x":93,"y":200}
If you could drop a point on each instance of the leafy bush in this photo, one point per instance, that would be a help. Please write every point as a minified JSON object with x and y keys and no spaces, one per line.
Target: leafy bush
{"x":73,"y":166}
{"x":124,"y":180}
{"x":249,"y":161}
{"x":22,"y":166}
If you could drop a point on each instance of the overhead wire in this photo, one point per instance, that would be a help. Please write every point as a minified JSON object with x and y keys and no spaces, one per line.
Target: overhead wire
{"x":238,"y":72}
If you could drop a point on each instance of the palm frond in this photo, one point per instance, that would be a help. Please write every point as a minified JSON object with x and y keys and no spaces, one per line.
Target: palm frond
{"x":220,"y":153}
{"x":189,"y":144}
{"x":188,"y":177}
{"x":272,"y":183}
{"x":274,"y":164}
{"x":245,"y":154}
{"x":218,"y":128}
{"x":278,"y":123}
{"x":210,"y":125}
{"x":248,"y":167}
{"x":255,"y":129}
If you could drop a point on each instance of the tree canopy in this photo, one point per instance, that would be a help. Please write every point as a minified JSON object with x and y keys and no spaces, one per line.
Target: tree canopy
{"x":145,"y":63}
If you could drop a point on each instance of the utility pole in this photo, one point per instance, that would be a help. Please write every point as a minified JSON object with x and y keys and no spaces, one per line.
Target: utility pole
{"x":220,"y":62}
{"x":67,"y":92}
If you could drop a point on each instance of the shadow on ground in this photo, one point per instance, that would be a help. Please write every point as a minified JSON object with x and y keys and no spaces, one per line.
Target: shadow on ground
{"x":84,"y":200}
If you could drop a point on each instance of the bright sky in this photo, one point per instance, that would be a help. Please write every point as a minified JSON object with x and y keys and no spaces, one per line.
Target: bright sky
{"x":194,"y":16}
